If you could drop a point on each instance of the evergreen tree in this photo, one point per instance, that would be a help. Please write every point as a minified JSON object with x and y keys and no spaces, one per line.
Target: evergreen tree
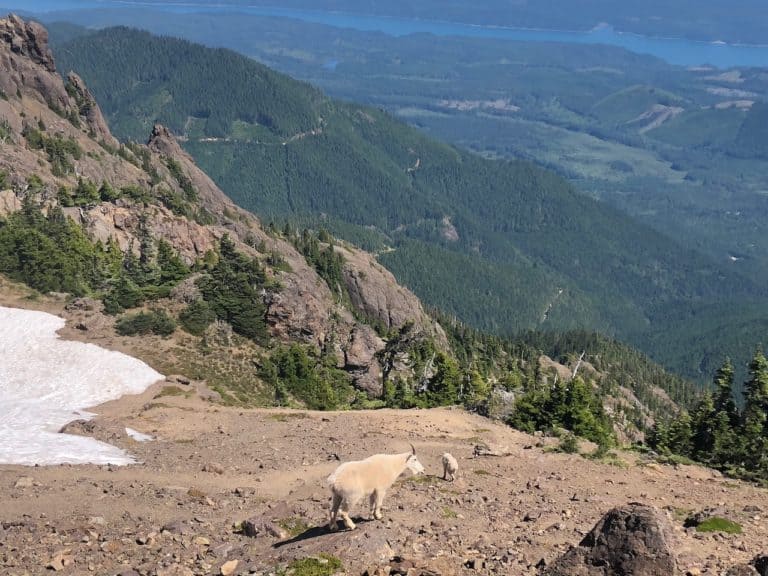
{"x":703,"y":424}
{"x":755,"y":420}
{"x":232,"y":289}
{"x":681,"y":434}
{"x":723,"y":400}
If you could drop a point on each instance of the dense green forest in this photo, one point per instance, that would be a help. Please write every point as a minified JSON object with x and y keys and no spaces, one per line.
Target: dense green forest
{"x":540,"y":253}
{"x":717,"y":432}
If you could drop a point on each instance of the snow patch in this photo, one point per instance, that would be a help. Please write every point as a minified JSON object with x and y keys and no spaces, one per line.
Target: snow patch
{"x":46,"y":382}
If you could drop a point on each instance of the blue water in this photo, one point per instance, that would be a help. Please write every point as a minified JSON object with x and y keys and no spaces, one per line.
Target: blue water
{"x":674,"y":50}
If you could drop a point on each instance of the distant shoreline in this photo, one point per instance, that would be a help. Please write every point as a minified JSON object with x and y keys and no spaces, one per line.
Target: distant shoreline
{"x":679,"y":51}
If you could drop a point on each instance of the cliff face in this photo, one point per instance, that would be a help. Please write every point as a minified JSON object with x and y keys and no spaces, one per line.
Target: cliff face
{"x":35,"y":98}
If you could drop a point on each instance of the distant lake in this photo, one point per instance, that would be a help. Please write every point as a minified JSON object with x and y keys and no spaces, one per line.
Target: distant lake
{"x":674,"y":50}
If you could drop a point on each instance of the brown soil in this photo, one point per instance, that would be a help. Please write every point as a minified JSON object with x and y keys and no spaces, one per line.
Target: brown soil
{"x":211,"y":467}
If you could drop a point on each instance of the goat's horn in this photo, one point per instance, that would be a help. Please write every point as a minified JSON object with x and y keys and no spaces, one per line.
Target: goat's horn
{"x":414,"y":449}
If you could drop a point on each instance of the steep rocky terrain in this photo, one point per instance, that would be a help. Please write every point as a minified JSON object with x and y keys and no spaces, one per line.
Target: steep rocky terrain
{"x":76,"y":145}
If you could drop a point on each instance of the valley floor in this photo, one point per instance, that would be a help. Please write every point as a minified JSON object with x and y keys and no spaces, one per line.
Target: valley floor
{"x":211,"y":467}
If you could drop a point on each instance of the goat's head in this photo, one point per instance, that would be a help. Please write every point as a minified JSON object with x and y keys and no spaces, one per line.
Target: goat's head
{"x":413,"y":464}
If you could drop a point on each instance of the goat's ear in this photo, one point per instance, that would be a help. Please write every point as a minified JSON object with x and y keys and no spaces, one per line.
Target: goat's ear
{"x":413,"y":449}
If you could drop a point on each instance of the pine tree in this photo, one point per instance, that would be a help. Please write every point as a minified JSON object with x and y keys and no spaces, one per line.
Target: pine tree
{"x":723,"y":400}
{"x":703,"y":428}
{"x":755,"y":421}
{"x":681,"y":434}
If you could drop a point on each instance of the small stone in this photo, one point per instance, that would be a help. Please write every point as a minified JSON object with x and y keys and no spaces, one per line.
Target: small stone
{"x":201,"y":541}
{"x":222,"y":550}
{"x":24,"y":482}
{"x":228,"y":567}
{"x":214,"y":468}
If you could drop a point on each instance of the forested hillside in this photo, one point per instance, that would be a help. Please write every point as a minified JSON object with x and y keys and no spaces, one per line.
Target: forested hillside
{"x":501,"y":244}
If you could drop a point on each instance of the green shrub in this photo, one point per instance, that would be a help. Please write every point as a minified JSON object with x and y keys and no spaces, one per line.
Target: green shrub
{"x":569,"y":444}
{"x":143,"y":323}
{"x":197,"y":317}
{"x":232,"y":289}
{"x":316,"y":382}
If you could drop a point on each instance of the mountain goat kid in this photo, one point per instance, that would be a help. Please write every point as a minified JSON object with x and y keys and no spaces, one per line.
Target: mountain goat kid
{"x":352,"y":481}
{"x":450,"y":466}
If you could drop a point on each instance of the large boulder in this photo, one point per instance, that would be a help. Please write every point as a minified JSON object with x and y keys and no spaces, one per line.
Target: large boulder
{"x":633,"y":539}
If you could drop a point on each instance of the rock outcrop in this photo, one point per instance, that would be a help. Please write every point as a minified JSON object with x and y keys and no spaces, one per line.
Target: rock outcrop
{"x":89,"y":109}
{"x":375,"y":293}
{"x":28,"y":39}
{"x":633,"y":539}
{"x":27,"y":62}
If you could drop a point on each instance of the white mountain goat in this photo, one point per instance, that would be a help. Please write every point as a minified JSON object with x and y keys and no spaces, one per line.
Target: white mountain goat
{"x":352,"y":481}
{"x":450,"y":466}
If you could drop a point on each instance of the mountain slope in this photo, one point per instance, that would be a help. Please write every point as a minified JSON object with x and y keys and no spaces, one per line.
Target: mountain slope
{"x":358,"y":166}
{"x":132,"y":239}
{"x":143,"y":228}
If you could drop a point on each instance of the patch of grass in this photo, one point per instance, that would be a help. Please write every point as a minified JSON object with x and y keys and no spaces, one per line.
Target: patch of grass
{"x":293,"y":525}
{"x":286,"y":416}
{"x":173,"y":391}
{"x":606,"y":457}
{"x":320,"y":565}
{"x":152,"y":405}
{"x":718,"y":524}
{"x":569,"y":444}
{"x":481,"y":472}
{"x":422,"y":479}
{"x":449,"y":512}
{"x":680,"y":514}
{"x":481,"y":430}
{"x":449,"y":491}
{"x":675,"y":459}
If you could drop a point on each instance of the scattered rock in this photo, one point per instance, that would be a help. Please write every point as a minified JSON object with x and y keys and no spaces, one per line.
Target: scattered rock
{"x":24,"y":482}
{"x":760,"y":562}
{"x":742,"y":570}
{"x":697,"y":518}
{"x":229,"y":567}
{"x":60,"y":560}
{"x":175,"y":570}
{"x":181,"y":527}
{"x":633,"y":539}
{"x":214,"y":468}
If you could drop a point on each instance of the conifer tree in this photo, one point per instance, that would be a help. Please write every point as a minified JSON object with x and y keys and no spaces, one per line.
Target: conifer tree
{"x":681,"y":434}
{"x":755,"y":421}
{"x":723,"y":399}
{"x":703,"y":428}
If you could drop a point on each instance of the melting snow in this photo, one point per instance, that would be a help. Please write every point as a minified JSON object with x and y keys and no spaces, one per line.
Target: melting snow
{"x":46,"y":382}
